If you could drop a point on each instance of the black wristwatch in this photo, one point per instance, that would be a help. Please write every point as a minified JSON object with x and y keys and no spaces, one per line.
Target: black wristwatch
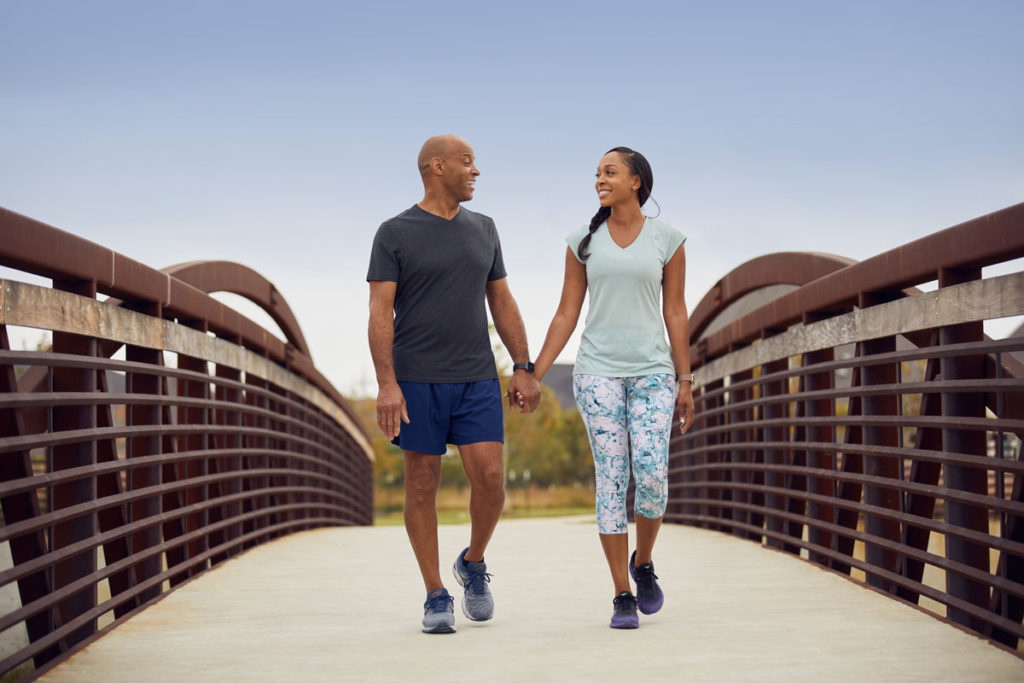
{"x":528,"y":366}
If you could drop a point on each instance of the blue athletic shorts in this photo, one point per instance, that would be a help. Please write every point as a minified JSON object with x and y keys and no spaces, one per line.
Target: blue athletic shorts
{"x":441,"y":414}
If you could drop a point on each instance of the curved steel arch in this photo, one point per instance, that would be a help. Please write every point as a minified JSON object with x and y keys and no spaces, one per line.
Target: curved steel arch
{"x":235,"y":278}
{"x":783,"y":268}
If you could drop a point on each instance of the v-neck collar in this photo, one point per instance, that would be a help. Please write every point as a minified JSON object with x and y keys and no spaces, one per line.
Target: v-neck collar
{"x":635,"y":239}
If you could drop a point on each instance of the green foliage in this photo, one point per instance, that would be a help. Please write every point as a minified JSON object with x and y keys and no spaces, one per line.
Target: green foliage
{"x":551,"y":443}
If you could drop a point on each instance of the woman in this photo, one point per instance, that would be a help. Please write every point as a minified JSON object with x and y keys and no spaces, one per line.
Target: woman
{"x":627,"y":381}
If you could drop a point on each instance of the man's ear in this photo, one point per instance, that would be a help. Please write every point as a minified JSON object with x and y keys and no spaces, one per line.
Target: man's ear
{"x":437,"y":165}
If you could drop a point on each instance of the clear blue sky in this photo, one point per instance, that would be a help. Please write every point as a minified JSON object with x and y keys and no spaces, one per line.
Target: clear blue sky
{"x":280,"y":134}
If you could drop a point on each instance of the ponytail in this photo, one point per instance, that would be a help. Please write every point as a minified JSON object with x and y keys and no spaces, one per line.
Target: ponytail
{"x":600,"y":217}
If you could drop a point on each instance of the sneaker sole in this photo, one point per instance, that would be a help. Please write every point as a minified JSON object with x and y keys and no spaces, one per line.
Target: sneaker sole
{"x":647,"y":609}
{"x":440,"y":628}
{"x":627,"y":625}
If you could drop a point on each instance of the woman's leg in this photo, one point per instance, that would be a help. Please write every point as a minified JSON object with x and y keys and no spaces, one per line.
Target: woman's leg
{"x":650,"y":404}
{"x":602,"y":405}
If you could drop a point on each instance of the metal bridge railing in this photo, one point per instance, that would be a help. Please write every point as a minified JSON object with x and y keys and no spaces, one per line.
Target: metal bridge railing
{"x":161,"y":434}
{"x":869,"y":427}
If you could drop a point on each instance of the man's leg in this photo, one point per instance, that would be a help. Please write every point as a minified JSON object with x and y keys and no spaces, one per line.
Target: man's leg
{"x":485,"y":469}
{"x":422,"y":479}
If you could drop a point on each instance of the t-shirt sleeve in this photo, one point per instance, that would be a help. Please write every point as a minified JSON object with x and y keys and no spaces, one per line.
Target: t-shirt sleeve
{"x":574,"y":238}
{"x":384,"y":264}
{"x":672,"y":239}
{"x":498,"y":264}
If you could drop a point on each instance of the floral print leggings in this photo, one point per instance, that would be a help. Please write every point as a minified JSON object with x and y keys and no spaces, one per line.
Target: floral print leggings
{"x":623,"y":415}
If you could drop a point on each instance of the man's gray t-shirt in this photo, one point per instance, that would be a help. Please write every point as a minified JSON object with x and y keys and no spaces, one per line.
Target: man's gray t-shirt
{"x":442,"y":268}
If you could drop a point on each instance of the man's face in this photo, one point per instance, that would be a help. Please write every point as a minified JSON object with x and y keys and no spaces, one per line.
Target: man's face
{"x":460,"y":172}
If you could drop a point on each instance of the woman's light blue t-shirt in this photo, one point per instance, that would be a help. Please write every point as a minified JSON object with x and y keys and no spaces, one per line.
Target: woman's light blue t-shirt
{"x":624,"y":335}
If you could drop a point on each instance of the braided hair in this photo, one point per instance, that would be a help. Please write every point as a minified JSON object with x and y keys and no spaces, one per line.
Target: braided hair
{"x":638,"y":166}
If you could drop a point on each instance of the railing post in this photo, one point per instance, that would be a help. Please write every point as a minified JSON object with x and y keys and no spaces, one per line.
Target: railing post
{"x":709,"y":475}
{"x":819,"y":460}
{"x":880,"y":465}
{"x":229,"y":417}
{"x":79,"y":454}
{"x":148,"y":476}
{"x":850,"y":491}
{"x":959,"y":477}
{"x":112,"y":518}
{"x":774,"y":456}
{"x":198,"y":466}
{"x":738,"y":455}
{"x":922,"y":472}
{"x":20,"y":507}
{"x":260,"y":460}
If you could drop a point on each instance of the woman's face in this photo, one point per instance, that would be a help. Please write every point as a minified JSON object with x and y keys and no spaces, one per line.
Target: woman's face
{"x":616,"y":183}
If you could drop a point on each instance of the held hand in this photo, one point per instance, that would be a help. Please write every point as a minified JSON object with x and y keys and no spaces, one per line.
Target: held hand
{"x":523,"y":392}
{"x":391,"y":410}
{"x":684,"y":406}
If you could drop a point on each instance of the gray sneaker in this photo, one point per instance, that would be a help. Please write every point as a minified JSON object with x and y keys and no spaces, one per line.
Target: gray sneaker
{"x":439,"y":612}
{"x":477,"y":602}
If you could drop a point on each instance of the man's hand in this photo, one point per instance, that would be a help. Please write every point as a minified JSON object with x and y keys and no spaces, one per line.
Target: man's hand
{"x":391,"y":410}
{"x":523,"y":392}
{"x":684,"y":406}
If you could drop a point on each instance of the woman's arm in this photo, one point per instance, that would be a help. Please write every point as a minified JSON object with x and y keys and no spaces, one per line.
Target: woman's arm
{"x":678,"y":326}
{"x":574,"y":289}
{"x":509,"y":324}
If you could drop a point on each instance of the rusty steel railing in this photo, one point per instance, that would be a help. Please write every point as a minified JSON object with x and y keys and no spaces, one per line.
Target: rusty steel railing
{"x":161,"y":434}
{"x":867,"y":426}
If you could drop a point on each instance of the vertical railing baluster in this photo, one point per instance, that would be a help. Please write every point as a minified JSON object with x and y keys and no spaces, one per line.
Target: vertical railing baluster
{"x":145,"y":479}
{"x":83,"y":490}
{"x":819,"y":460}
{"x":972,"y":479}
{"x":884,"y":464}
{"x":774,"y":456}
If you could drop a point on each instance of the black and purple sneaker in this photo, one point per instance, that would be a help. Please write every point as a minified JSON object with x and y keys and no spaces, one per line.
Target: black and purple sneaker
{"x":649,"y":597}
{"x":624,"y":611}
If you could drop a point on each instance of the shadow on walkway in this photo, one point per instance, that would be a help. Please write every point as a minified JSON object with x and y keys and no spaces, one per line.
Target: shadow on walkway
{"x":345,"y":604}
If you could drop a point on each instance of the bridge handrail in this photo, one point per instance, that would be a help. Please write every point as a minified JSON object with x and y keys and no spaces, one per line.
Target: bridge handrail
{"x":983,"y":241}
{"x":869,"y":427}
{"x":35,"y":247}
{"x":122,"y":478}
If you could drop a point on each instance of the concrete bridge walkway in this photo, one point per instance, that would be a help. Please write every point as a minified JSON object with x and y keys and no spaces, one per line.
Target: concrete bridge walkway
{"x":345,"y":604}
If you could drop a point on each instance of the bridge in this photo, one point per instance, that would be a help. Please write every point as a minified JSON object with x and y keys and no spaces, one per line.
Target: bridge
{"x":849,"y":501}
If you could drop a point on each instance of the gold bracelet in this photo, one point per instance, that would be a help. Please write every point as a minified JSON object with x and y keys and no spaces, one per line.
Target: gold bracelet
{"x":685,"y":378}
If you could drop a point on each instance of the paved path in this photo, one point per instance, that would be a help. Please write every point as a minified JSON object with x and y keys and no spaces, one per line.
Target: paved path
{"x":344,"y":604}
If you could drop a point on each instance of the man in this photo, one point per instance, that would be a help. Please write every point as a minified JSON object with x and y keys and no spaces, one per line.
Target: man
{"x":431,"y":269}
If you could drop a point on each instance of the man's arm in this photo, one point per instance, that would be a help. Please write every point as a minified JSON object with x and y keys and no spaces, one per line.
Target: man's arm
{"x":509,"y":325}
{"x":390,"y":401}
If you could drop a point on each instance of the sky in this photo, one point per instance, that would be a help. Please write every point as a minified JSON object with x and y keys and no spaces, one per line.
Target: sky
{"x":280,"y":134}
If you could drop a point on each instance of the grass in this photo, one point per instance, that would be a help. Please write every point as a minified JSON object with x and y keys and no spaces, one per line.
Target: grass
{"x":462,"y":516}
{"x":520,"y":503}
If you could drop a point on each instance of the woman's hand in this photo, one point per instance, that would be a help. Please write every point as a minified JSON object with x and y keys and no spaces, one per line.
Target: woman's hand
{"x":684,"y":406}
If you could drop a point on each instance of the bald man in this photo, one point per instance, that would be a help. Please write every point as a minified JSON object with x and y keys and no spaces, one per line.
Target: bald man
{"x":432,"y":268}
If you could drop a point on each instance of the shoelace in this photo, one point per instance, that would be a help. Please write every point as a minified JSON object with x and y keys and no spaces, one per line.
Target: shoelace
{"x":476,"y":580}
{"x":645,"y":576}
{"x":440,"y":603}
{"x":624,"y":604}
